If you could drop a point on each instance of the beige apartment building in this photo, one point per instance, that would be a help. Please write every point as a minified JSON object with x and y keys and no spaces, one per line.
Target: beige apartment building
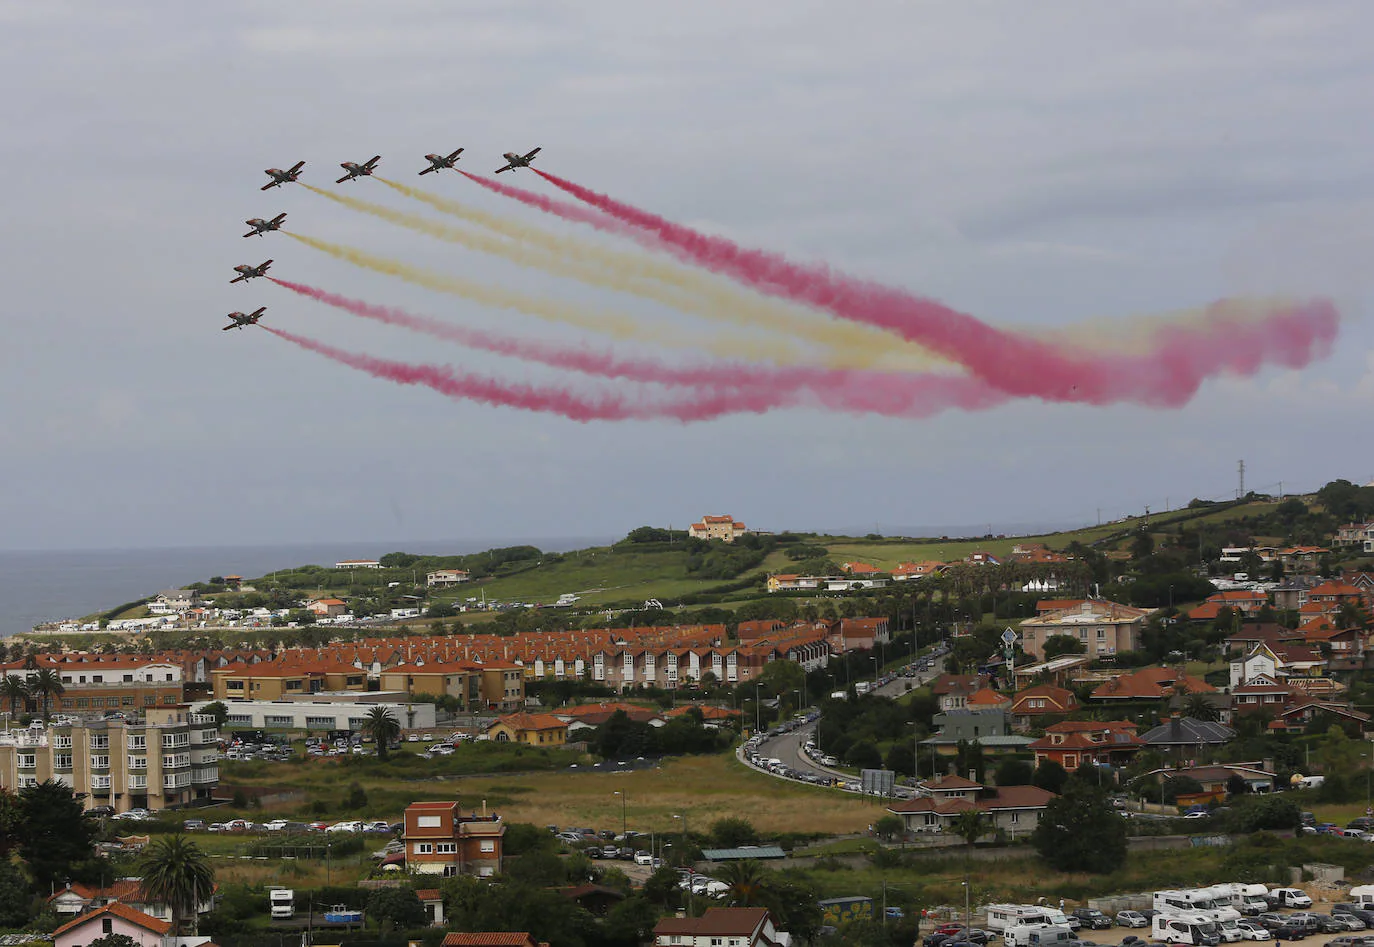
{"x":168,"y":758}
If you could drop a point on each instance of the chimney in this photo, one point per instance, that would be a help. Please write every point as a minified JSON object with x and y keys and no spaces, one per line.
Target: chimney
{"x":1175,"y":729}
{"x":973,"y":775}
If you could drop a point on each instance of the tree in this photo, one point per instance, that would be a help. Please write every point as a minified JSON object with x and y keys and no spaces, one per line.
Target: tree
{"x":217,"y":709}
{"x":746,"y":880}
{"x":1051,"y":776}
{"x":177,"y":873}
{"x":1080,"y":831}
{"x":888,"y":826}
{"x":15,"y":690}
{"x":970,"y":825}
{"x":733,"y":831}
{"x":1056,"y":645}
{"x":1013,"y":772}
{"x":383,"y":728}
{"x":1199,"y":707}
{"x":54,"y":836}
{"x":631,"y":922}
{"x":14,"y":896}
{"x":396,"y":907}
{"x":45,"y":685}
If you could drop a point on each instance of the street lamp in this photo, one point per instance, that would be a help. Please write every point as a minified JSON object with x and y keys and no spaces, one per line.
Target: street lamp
{"x":623,"y":824}
{"x":966,"y":917}
{"x":686,"y":849}
{"x":757,"y":716}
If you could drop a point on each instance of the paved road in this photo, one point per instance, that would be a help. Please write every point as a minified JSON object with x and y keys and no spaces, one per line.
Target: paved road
{"x":787,"y":747}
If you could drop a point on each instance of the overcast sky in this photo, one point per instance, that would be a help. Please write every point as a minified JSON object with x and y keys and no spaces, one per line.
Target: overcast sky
{"x":1034,"y":164}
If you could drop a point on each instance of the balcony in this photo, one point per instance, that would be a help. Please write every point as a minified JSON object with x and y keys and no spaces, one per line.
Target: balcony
{"x":176,"y":780}
{"x":205,"y":774}
{"x":203,"y":720}
{"x":174,"y":740}
{"x":204,"y":736}
{"x":138,"y":782}
{"x":203,"y":757}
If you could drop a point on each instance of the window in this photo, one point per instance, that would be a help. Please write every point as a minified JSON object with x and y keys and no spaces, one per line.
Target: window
{"x":106,"y":925}
{"x":138,"y":762}
{"x":424,"y":848}
{"x":62,"y":761}
{"x":446,"y":848}
{"x":1101,"y":634}
{"x":100,"y":762}
{"x":428,"y":822}
{"x":1014,"y":817}
{"x":128,"y":678}
{"x":138,"y":741}
{"x":100,"y":742}
{"x":488,"y":846}
{"x":27,"y":761}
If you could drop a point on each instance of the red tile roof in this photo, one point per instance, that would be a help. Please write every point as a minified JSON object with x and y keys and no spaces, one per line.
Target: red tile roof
{"x":120,"y":910}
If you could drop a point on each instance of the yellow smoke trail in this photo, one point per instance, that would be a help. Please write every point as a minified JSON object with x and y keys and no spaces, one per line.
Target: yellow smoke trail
{"x":848,"y":345}
{"x":614,"y":324}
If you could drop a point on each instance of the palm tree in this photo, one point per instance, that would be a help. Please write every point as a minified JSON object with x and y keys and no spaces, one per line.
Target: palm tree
{"x":16,"y":690}
{"x":45,"y":685}
{"x":746,"y":880}
{"x":177,"y":873}
{"x":383,"y":728}
{"x":1199,"y":707}
{"x":970,"y":825}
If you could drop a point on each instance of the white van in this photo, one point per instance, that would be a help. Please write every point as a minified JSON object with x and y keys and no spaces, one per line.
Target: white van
{"x":1196,"y":929}
{"x":1292,"y":897}
{"x":283,"y":902}
{"x":1039,"y":935}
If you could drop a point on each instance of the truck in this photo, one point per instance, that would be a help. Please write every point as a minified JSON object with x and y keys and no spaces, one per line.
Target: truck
{"x":1185,"y":928}
{"x":838,"y":911}
{"x":282,"y":902}
{"x":1039,"y":935}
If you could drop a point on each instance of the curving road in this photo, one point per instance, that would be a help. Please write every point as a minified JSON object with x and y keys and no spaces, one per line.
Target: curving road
{"x":788,"y":747}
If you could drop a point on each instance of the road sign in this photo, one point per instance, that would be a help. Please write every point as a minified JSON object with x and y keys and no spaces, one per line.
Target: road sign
{"x":1008,"y":636}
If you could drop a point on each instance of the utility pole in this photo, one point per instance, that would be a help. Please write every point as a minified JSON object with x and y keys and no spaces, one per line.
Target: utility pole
{"x":1240,"y":493}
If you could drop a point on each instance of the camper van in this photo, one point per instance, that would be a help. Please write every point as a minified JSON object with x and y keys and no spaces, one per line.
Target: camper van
{"x":1247,"y":899}
{"x":1194,"y":901}
{"x":1362,"y":896}
{"x":1196,"y":929}
{"x":1039,"y":935}
{"x":283,"y":902}
{"x":1004,"y":916}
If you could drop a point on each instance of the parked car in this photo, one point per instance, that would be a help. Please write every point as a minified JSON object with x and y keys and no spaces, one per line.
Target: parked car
{"x":1354,"y":910}
{"x":135,"y":815}
{"x":194,"y":825}
{"x":644,"y":858}
{"x":1092,"y":918}
{"x":100,"y":812}
{"x":1132,"y":919}
{"x":1288,"y":932}
{"x":379,"y":825}
{"x":1253,"y":930}
{"x":1348,"y":922}
{"x":349,"y":826}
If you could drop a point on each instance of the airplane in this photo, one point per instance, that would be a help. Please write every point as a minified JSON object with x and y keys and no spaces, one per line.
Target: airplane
{"x":356,"y":170}
{"x":246,"y":272}
{"x":514,"y":161}
{"x":241,"y":320}
{"x":280,"y":177}
{"x":261,"y":226}
{"x":439,"y":162}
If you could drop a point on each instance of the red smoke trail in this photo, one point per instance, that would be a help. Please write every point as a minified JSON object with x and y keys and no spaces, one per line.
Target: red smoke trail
{"x":749,"y":388}
{"x":526,"y":397}
{"x":1167,"y":376}
{"x":568,"y":211}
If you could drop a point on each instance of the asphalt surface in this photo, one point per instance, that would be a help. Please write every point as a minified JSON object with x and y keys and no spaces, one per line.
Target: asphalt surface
{"x":787,"y":747}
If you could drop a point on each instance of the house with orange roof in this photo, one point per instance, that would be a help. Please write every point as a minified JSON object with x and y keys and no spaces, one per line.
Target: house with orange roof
{"x":711,"y":715}
{"x":1013,"y":809}
{"x":1301,"y":558}
{"x":1151,"y":683}
{"x":859,"y":634}
{"x":724,"y":528}
{"x":738,"y":927}
{"x":1247,"y":601}
{"x":286,"y":678}
{"x":1071,"y":743}
{"x":791,"y":582}
{"x":327,"y":607}
{"x":1260,"y":693}
{"x":112,"y":919}
{"x":952,"y":691}
{"x":986,"y":698}
{"x":860,"y":568}
{"x":491,"y":939}
{"x":1034,"y":704}
{"x":1047,"y":605}
{"x":440,"y":840}
{"x":77,"y":898}
{"x":906,"y":571}
{"x":530,"y":729}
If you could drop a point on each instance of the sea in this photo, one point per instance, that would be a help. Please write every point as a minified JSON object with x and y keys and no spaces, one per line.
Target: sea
{"x":55,"y":584}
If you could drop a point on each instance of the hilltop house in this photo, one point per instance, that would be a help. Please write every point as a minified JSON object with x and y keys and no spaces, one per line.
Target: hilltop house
{"x":1015,"y":809}
{"x":724,"y":528}
{"x":1103,"y":628}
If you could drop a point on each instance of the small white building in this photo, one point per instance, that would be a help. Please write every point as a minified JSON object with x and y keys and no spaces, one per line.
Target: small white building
{"x":443,"y":578}
{"x":358,"y":564}
{"x":329,"y":711}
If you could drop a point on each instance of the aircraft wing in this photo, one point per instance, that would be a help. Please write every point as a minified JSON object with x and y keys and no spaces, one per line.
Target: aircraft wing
{"x":232,"y":325}
{"x":269,"y":184}
{"x":343,"y":179}
{"x":506,"y":168}
{"x":297,"y":167}
{"x":373,"y":162}
{"x":237,"y":279}
{"x":251,"y":233}
{"x":533,"y":153}
{"x":429,"y":169}
{"x":454,"y":156}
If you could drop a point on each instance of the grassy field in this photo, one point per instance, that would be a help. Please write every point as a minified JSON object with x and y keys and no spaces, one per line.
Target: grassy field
{"x":702,"y":788}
